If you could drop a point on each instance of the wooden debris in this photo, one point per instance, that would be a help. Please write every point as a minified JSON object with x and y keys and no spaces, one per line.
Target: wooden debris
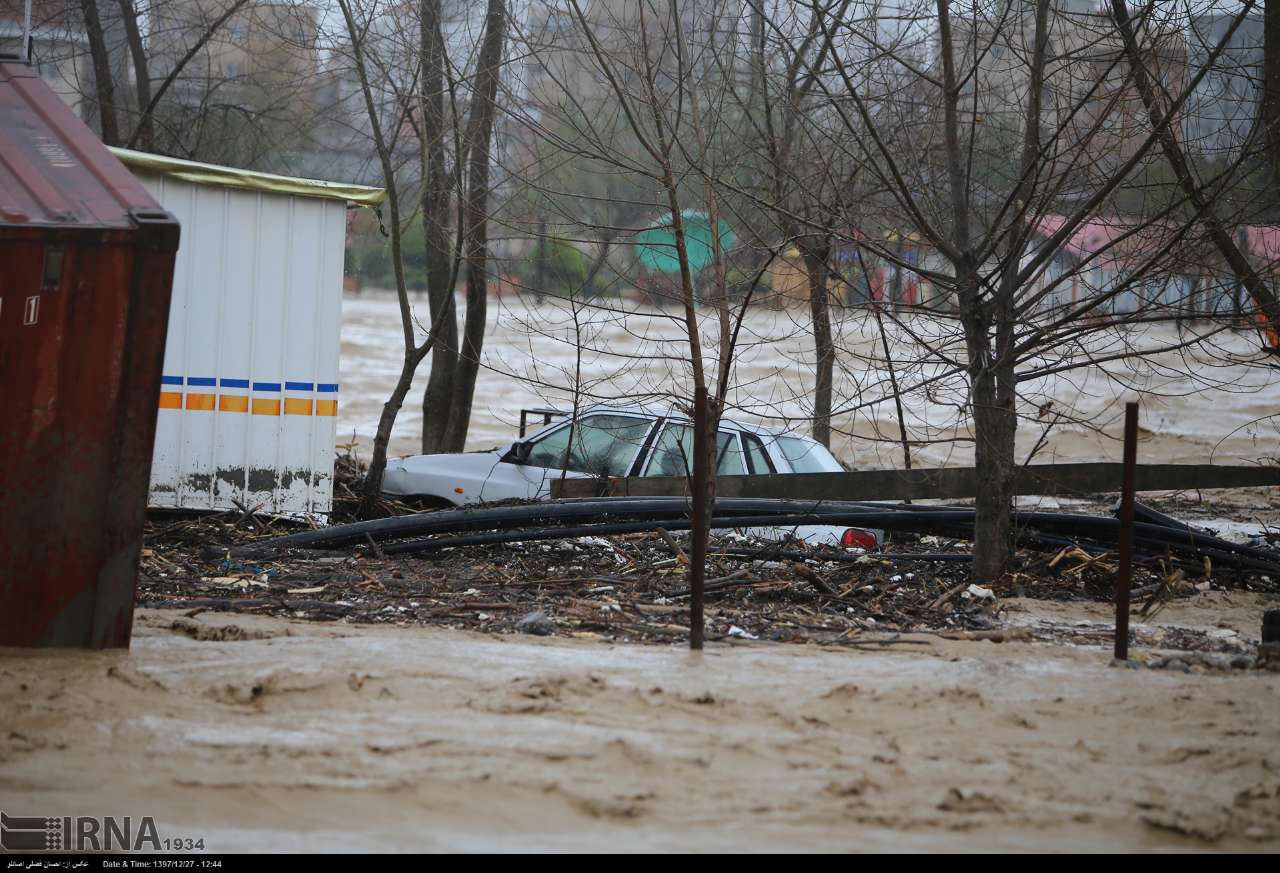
{"x":813,"y":579}
{"x":631,"y":587}
{"x":674,"y":546}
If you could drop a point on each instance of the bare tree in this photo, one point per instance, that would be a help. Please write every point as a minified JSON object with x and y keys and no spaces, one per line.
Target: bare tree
{"x":144,"y":135}
{"x":233,"y":81}
{"x":934,"y":150}
{"x":103,"y":81}
{"x":446,"y":403}
{"x":665,"y":94}
{"x":1269,"y":106}
{"x":474,"y":214}
{"x":144,"y":127}
{"x":1263,"y":295}
{"x":414,"y":352}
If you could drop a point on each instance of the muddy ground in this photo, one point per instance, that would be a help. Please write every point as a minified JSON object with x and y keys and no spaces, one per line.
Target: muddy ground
{"x":520,"y":698}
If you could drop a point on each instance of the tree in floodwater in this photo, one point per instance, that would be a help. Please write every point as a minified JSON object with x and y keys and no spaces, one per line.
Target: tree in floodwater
{"x":401,"y":103}
{"x":1006,"y":153}
{"x":456,"y":168}
{"x":647,"y":115}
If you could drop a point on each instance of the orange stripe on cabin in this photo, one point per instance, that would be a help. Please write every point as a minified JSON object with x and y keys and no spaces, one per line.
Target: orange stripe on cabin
{"x":262,"y":406}
{"x":297,"y":406}
{"x":203,"y":402}
{"x":233,"y":403}
{"x":170,"y":400}
{"x":326,"y":407}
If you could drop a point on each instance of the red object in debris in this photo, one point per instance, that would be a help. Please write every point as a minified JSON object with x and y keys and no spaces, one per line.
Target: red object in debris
{"x":87,"y":272}
{"x":856,"y":537}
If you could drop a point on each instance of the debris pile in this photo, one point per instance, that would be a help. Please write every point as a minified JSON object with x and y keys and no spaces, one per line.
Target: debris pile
{"x":631,"y":586}
{"x":348,"y":478}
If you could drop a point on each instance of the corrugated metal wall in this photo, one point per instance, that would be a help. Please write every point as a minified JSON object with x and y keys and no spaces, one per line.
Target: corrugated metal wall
{"x":249,"y":401}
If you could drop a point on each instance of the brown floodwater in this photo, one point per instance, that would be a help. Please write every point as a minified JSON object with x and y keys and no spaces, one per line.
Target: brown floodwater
{"x":1195,"y":409}
{"x":262,"y":734}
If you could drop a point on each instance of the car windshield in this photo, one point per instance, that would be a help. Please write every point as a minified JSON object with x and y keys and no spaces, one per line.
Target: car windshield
{"x":808,"y":457}
{"x":604,"y":445}
{"x":675,"y":446}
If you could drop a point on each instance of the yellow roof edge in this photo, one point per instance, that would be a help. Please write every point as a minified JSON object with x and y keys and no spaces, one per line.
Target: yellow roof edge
{"x":248,"y":180}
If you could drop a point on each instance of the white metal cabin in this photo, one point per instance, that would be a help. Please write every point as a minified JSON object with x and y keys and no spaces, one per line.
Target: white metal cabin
{"x":250,"y":391}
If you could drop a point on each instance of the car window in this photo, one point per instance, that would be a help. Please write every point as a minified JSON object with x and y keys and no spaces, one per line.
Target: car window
{"x":729,"y":455}
{"x":808,"y":457}
{"x":549,"y":450}
{"x":674,"y":448}
{"x":604,"y":445}
{"x":757,"y":458}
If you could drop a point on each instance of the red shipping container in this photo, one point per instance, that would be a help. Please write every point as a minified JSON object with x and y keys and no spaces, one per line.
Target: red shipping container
{"x":86,"y":270}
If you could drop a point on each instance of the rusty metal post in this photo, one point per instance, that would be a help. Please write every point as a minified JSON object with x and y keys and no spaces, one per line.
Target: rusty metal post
{"x":1126,"y":531}
{"x":701,"y":517}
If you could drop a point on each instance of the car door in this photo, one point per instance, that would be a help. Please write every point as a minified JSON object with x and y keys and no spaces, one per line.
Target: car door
{"x":597,"y":444}
{"x":673,"y":450}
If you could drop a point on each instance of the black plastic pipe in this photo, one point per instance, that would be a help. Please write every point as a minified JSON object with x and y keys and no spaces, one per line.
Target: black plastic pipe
{"x":1151,"y":543}
{"x":1048,"y":528}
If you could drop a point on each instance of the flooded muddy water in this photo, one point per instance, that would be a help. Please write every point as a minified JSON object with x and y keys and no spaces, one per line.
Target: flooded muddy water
{"x":286,"y":735}
{"x":1195,"y":410}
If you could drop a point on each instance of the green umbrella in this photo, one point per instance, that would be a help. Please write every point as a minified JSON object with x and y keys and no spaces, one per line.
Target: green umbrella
{"x":656,"y":245}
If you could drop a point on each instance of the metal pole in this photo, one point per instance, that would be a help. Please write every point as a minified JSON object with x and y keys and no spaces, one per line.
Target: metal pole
{"x":1126,"y":531}
{"x":701,"y":517}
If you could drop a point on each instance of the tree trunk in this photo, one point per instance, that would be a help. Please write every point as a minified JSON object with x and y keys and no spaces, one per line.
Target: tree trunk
{"x":436,"y":200}
{"x":816,"y":255}
{"x":439,"y":393}
{"x":540,"y":263}
{"x":142,"y":76}
{"x":893,"y":386}
{"x":1270,"y":105}
{"x":104,"y":87}
{"x":475,"y":220}
{"x":703,"y":501}
{"x":994,"y":425}
{"x":382,"y":437}
{"x":992,"y":395}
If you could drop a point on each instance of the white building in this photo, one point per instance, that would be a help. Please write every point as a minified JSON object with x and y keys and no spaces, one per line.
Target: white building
{"x":249,"y":393}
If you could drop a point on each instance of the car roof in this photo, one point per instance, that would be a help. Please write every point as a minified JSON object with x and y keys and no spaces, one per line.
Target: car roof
{"x":677,"y":415}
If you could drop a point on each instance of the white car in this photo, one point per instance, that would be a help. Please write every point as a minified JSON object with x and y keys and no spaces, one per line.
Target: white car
{"x":622,"y":442}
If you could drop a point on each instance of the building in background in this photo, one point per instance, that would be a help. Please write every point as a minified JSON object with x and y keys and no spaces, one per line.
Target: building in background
{"x":60,"y":50}
{"x":1223,"y":108}
{"x":265,"y":43}
{"x":244,"y":92}
{"x":1088,"y":91}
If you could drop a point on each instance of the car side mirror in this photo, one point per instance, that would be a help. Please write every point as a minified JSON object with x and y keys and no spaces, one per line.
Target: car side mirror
{"x":519,"y":453}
